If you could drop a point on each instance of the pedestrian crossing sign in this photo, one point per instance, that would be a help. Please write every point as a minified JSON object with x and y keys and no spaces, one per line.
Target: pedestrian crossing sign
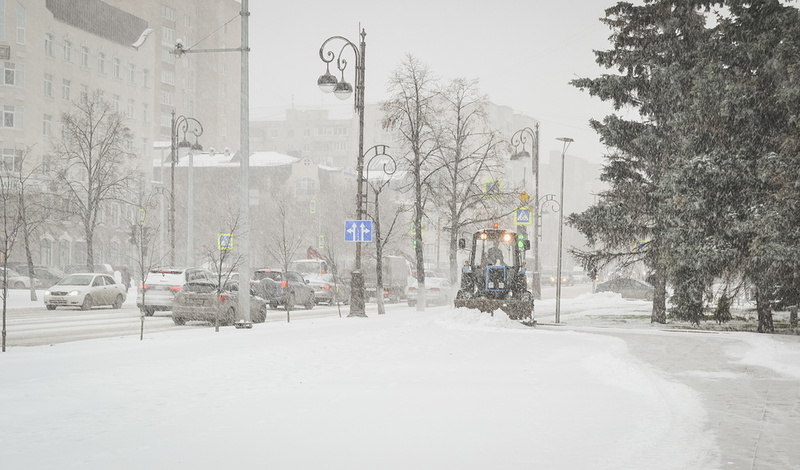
{"x":522,"y":216}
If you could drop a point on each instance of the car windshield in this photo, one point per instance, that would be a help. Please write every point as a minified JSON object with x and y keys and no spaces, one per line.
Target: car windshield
{"x":77,"y":280}
{"x":200,"y":287}
{"x":305,"y":267}
{"x":274,"y":275}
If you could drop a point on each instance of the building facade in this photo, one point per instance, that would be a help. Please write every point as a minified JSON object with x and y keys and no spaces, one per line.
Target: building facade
{"x":57,"y":52}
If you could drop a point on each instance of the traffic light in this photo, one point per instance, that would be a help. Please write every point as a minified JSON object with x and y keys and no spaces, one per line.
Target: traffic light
{"x":520,"y":240}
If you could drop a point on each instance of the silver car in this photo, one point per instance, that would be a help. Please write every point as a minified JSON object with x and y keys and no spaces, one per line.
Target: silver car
{"x":85,"y":290}
{"x":160,"y":286}
{"x":201,"y":300}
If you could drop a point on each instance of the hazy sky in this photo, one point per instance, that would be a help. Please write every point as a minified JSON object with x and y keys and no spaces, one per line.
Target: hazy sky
{"x":523,"y":52}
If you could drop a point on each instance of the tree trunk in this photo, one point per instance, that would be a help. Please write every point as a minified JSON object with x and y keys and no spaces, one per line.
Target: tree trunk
{"x":659,"y":312}
{"x":765,"y":324}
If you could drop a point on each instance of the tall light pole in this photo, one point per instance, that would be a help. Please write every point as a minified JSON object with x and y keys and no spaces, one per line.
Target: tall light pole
{"x":520,"y":138}
{"x":342,"y":89}
{"x":180,"y":124}
{"x":244,"y":150}
{"x":566,"y":141}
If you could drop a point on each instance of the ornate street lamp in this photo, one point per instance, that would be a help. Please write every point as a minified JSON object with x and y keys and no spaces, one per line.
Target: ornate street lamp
{"x":520,"y":138}
{"x":184,"y":125}
{"x":342,"y":89}
{"x":566,"y":141}
{"x":389,"y":167}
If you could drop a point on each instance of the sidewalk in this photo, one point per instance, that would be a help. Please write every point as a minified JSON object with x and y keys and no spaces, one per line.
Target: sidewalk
{"x":754,"y":410}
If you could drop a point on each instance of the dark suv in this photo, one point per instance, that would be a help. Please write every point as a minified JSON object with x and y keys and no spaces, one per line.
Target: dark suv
{"x":281,"y":287}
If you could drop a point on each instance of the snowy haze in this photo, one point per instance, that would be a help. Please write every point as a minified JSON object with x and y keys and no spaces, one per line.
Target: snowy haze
{"x":444,"y":388}
{"x":523,"y":53}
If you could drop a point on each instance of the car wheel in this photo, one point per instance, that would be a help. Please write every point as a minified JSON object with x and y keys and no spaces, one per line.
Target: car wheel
{"x":51,"y":307}
{"x":310,"y":302}
{"x":262,"y":314}
{"x":149,"y":311}
{"x":411,"y":303}
{"x":178,"y":320}
{"x":19,"y":285}
{"x":87,"y":303}
{"x":273,"y":304}
{"x":118,"y":301}
{"x":290,"y":302}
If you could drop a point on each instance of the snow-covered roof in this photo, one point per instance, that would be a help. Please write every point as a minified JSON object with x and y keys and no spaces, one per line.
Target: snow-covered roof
{"x":227,"y":160}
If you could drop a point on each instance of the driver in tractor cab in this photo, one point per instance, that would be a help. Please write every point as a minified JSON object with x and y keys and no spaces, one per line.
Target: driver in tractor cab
{"x":494,"y":255}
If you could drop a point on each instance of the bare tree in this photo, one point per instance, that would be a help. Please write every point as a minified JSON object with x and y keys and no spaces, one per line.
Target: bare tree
{"x":9,"y":229}
{"x":284,"y":240}
{"x":93,"y":162}
{"x":468,"y":155}
{"x":224,"y":261}
{"x":35,"y":207}
{"x":412,"y":109}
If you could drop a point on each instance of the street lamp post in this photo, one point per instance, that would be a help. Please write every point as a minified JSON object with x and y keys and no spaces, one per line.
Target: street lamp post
{"x":566,"y":141}
{"x":180,"y":124}
{"x":389,"y":167}
{"x":520,"y":138}
{"x":342,"y":89}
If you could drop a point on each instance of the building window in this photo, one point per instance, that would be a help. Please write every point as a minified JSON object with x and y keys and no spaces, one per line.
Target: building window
{"x":49,"y":39}
{"x":20,"y":24}
{"x":84,"y":93}
{"x":115,"y":103}
{"x":84,"y":57}
{"x":46,"y":251}
{"x":117,"y":68}
{"x":167,"y":77}
{"x":101,"y":62}
{"x":146,"y":78}
{"x":187,"y":21}
{"x":166,"y":98}
{"x":47,"y":125}
{"x":12,"y":116}
{"x":67,"y":51}
{"x":132,"y":72}
{"x":48,"y":85}
{"x":145,"y":112}
{"x":169,"y":13}
{"x":12,"y":74}
{"x":12,"y":159}
{"x":65,"y":89}
{"x":306,"y":188}
{"x":131,"y":107}
{"x":168,"y":36}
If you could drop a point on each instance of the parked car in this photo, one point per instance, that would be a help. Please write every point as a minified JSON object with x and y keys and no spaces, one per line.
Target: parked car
{"x":85,"y":290}
{"x":160,"y":285}
{"x":97,"y":268}
{"x":437,"y":291}
{"x":628,"y":288}
{"x":200,"y":300}
{"x":327,"y":292}
{"x":287,"y":288}
{"x":16,"y":280}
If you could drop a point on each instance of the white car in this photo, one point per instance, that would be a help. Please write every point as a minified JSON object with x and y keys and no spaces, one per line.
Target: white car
{"x":437,"y":291}
{"x":85,"y":290}
{"x":17,"y":280}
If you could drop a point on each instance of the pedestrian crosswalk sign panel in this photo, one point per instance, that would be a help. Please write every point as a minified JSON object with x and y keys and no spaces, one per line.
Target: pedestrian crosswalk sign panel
{"x":224,"y":241}
{"x":522,"y":216}
{"x":358,"y":230}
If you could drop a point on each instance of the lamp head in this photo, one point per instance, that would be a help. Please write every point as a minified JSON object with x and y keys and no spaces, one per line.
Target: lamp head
{"x":327,"y":82}
{"x":343,"y":90}
{"x":565,"y":139}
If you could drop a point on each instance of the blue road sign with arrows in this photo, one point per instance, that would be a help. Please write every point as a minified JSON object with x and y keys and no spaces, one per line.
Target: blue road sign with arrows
{"x":358,"y":230}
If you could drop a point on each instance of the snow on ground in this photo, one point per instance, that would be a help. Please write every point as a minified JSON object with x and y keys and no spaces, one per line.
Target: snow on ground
{"x":438,"y":389}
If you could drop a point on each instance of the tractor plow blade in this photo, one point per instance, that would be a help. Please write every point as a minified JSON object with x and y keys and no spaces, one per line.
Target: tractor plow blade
{"x":515,"y":309}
